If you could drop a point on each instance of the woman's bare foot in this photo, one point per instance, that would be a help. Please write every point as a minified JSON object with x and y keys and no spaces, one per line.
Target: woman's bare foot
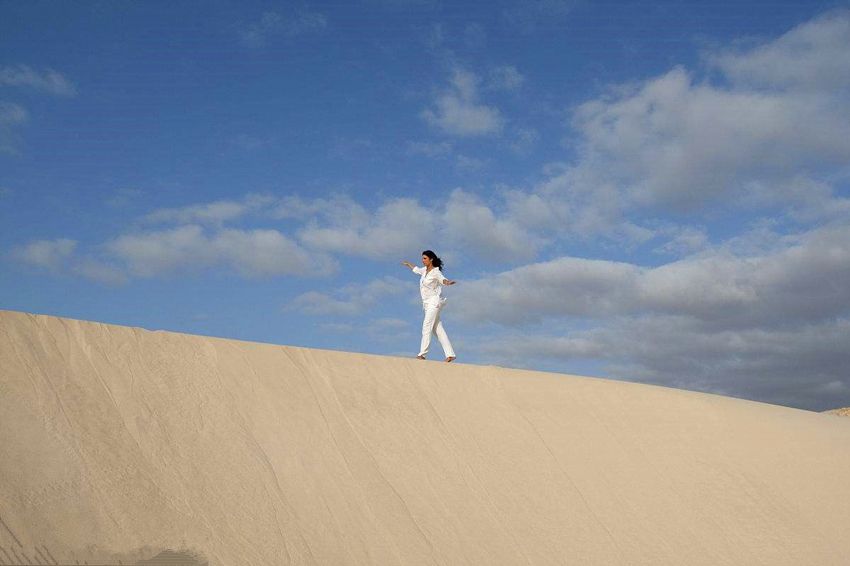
{"x":420,"y":357}
{"x":451,"y":358}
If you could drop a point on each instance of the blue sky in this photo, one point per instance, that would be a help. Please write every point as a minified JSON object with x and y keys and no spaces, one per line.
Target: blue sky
{"x":655,"y":192}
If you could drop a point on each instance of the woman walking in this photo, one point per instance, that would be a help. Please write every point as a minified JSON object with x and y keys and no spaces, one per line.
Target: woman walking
{"x":431,"y":283}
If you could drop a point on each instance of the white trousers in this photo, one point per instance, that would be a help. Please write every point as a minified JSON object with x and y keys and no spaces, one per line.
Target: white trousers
{"x":432,"y":325}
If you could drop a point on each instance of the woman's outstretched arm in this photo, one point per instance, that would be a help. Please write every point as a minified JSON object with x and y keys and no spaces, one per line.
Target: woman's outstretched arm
{"x":408,"y":264}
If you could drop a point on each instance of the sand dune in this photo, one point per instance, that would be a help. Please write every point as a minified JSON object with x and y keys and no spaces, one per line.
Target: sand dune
{"x":843,"y":412}
{"x":120,"y":444}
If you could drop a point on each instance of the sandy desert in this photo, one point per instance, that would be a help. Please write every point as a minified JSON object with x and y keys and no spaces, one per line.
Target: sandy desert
{"x":120,"y":445}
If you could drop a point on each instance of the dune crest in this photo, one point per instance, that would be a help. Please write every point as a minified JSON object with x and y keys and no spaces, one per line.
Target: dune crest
{"x":118,"y":443}
{"x":843,"y":412}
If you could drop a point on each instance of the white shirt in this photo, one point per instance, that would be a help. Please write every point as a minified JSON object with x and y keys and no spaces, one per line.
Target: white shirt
{"x":430,"y":283}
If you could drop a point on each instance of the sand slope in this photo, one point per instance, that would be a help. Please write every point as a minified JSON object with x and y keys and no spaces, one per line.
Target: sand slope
{"x":117,"y":443}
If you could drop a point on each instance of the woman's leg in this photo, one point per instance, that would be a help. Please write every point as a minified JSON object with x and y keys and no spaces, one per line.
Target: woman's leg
{"x":443,"y":337}
{"x":431,"y":314}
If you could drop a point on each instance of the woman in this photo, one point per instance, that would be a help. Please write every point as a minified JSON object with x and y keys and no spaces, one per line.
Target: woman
{"x":431,"y":283}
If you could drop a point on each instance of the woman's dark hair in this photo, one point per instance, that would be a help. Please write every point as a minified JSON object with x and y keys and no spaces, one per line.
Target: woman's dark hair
{"x":435,"y":261}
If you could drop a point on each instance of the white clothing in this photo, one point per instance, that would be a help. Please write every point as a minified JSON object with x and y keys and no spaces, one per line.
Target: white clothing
{"x":433,"y":325}
{"x":430,"y":284}
{"x":430,"y":288}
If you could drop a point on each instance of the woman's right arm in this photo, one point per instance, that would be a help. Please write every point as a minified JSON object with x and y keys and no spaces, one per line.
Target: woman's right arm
{"x":413,"y":268}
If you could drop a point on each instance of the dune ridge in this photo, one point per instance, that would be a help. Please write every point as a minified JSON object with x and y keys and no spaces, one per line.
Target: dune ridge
{"x":122,"y":444}
{"x":842,"y":412}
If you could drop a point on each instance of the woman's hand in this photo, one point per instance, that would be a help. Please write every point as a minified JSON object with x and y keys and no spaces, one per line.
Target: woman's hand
{"x":408,"y":264}
{"x":448,"y":282}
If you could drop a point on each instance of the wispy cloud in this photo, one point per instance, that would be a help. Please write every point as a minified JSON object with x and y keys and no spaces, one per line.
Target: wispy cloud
{"x":430,"y":149}
{"x":46,"y":254}
{"x":48,"y":81}
{"x":469,"y":164}
{"x":457,"y":110}
{"x":271,"y":24}
{"x":216,"y":213}
{"x":99,"y":272}
{"x":505,"y":78}
{"x":682,"y":145}
{"x":683,"y":240}
{"x":524,"y":140}
{"x":813,"y":55}
{"x":350,"y":300}
{"x":11,"y":116}
{"x":251,"y":253}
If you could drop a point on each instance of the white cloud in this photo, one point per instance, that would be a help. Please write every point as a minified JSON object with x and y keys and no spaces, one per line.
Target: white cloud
{"x":557,"y":288}
{"x":457,"y":111}
{"x":807,"y":278}
{"x":315,"y":303}
{"x":350,"y":300}
{"x":100,"y":272}
{"x":13,"y":115}
{"x":471,"y":225}
{"x":806,"y":199}
{"x":337,"y":210}
{"x":675,"y":142}
{"x":49,"y":81}
{"x":272,"y":24}
{"x":59,"y":256}
{"x":585,"y":204}
{"x":532,"y":210}
{"x":268,"y":253}
{"x":463,"y":224}
{"x":252,"y":253}
{"x":216,"y":212}
{"x":392,"y":231}
{"x":813,"y":55}
{"x":47,"y":254}
{"x":153,"y":253}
